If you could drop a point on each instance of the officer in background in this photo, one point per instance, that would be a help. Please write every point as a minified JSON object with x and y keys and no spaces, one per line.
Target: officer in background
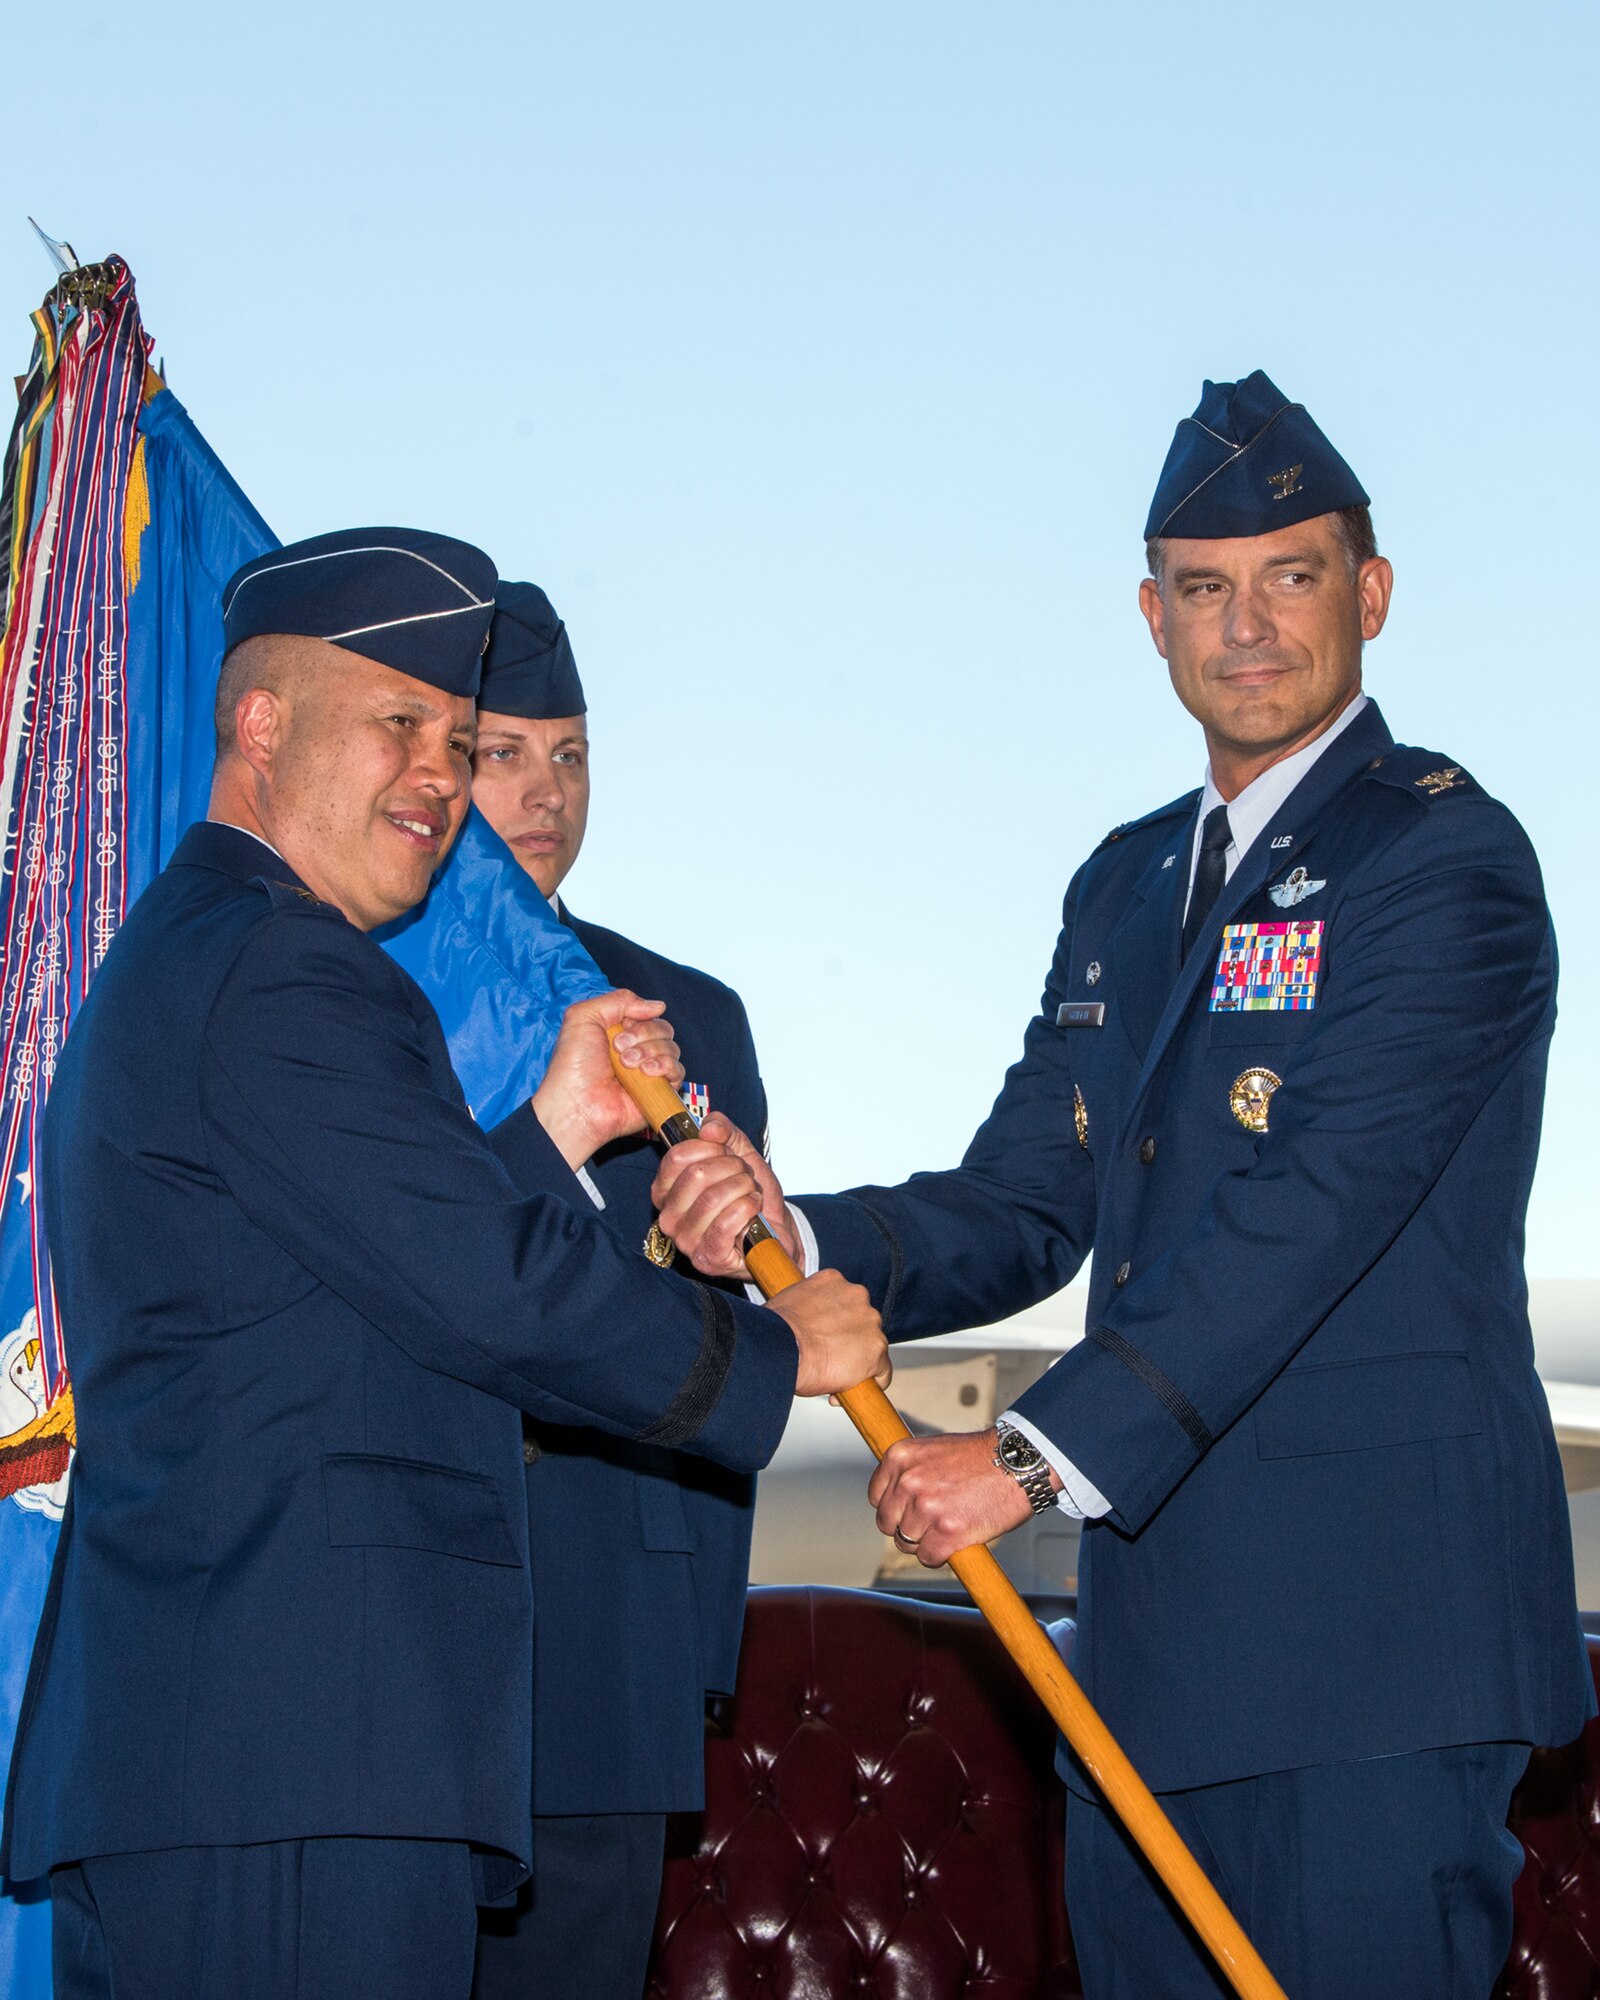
{"x":1286,"y":1080}
{"x":275,"y":1737}
{"x":639,"y":1553}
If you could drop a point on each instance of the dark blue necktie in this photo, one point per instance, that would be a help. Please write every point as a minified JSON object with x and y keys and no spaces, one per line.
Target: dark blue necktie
{"x":1209,"y":874}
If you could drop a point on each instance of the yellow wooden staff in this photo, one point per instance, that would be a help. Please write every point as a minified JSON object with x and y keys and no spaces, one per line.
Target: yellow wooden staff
{"x":987,"y":1584}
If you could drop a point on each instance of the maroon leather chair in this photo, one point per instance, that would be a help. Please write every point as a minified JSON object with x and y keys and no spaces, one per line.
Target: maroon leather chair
{"x":882,"y":1823}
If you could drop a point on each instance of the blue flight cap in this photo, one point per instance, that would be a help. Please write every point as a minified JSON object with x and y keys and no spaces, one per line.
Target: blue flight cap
{"x":529,"y":669}
{"x":416,"y":602}
{"x":1248,"y":461}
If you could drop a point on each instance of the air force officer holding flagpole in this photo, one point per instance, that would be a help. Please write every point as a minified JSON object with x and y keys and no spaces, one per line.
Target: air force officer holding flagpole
{"x":276,"y":1736}
{"x":640,"y":1554}
{"x":1286,"y":1081}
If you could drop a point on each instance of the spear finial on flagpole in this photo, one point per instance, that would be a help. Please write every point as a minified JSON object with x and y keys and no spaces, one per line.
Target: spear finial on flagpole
{"x":62,"y":255}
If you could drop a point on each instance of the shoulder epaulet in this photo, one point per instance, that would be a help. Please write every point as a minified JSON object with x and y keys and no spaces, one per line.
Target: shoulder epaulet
{"x":293,"y":896}
{"x":1425,"y":774}
{"x":1177,"y":809}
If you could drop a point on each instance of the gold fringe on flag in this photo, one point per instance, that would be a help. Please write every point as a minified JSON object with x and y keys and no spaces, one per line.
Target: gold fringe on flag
{"x":135,"y":518}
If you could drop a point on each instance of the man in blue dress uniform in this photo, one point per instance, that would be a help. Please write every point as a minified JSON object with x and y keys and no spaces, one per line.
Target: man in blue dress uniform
{"x":1286,"y":1081}
{"x":639,"y":1553}
{"x":275,"y":1738}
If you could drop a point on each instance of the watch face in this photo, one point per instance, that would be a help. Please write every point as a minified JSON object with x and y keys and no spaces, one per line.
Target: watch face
{"x":1017,"y":1453}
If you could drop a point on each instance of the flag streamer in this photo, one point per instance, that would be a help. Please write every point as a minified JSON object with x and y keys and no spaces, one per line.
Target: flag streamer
{"x":118,"y":526}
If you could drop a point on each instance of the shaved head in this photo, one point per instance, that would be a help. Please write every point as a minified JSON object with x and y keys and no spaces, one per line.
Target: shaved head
{"x":277,"y":661}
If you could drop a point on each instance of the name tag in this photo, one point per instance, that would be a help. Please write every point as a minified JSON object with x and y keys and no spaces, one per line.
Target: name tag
{"x":1081,"y":1014}
{"x":1267,"y":969}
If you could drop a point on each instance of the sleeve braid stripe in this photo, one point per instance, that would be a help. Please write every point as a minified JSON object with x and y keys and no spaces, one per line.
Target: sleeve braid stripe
{"x":1160,"y":1386}
{"x":701,"y":1389}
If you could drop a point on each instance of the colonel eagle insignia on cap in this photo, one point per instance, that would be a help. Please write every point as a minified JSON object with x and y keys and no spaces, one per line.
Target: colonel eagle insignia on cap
{"x":1246,"y":463}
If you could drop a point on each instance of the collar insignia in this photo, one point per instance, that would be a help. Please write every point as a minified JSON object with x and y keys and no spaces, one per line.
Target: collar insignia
{"x":1435,"y":782}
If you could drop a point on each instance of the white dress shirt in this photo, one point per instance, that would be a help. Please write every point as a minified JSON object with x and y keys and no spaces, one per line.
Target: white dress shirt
{"x":1261,"y":799}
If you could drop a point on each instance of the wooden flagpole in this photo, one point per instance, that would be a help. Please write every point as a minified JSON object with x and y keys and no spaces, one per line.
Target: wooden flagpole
{"x":993,"y":1592}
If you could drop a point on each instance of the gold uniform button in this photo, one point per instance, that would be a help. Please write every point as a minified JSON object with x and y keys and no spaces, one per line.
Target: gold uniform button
{"x":1123,"y":1273}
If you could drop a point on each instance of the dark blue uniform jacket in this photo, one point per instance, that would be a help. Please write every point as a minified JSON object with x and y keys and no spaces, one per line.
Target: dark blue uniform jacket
{"x":640,"y":1554}
{"x":1338,"y":1526}
{"x":304,"y":1305}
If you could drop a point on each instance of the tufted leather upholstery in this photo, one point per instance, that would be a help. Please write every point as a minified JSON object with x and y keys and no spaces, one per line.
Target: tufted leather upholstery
{"x":1555,"y":1945}
{"x":882,"y":1823}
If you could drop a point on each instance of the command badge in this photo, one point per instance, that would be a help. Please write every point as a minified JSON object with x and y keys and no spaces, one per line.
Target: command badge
{"x":1080,"y":1117}
{"x":1250,"y":1095}
{"x":1268,"y":968}
{"x":1092,"y":976}
{"x":658,"y":1247}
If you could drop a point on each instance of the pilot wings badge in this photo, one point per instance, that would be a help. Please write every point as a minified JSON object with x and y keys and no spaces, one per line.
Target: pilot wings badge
{"x":1295,"y":888}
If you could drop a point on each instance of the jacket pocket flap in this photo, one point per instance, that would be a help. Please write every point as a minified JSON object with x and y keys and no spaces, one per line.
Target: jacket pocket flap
{"x":1356,"y":1405}
{"x":401,"y":1503}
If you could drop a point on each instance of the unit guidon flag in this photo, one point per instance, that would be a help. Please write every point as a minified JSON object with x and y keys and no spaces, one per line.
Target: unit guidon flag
{"x":117,"y":526}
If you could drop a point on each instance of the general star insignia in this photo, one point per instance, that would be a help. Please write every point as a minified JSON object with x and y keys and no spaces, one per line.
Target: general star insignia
{"x":1435,"y":782}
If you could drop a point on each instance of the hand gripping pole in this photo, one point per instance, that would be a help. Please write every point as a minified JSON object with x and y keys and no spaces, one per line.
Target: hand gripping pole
{"x":881,"y":1425}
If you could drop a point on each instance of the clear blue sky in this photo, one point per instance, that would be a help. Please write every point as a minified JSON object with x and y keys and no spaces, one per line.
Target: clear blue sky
{"x":819,"y":361}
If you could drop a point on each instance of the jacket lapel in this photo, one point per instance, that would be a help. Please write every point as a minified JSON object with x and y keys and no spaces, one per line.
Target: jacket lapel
{"x":1146,"y":941}
{"x":1366,"y":738}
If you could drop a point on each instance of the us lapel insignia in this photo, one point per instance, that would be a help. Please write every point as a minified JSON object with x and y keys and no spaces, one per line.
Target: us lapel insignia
{"x":659,"y":1248}
{"x":1080,"y":1117}
{"x":1281,"y":840}
{"x":1169,"y":861}
{"x":1435,"y":782}
{"x":1249,"y":1096}
{"x":1295,"y":888}
{"x":697,"y":1096}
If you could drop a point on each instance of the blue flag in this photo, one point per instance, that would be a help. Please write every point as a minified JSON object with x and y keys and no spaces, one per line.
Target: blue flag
{"x":119,"y":526}
{"x":499,"y":966}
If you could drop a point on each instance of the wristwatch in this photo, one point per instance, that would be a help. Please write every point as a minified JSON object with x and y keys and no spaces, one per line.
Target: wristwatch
{"x":1019,"y":1456}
